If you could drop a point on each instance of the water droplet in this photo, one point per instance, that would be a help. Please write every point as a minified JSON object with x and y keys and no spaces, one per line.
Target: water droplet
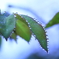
{"x":35,"y":36}
{"x":38,"y":23}
{"x":47,"y":38}
{"x":12,"y":31}
{"x":30,"y":28}
{"x":28,"y":23}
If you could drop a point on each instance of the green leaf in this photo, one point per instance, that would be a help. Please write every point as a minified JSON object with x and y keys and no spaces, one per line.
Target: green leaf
{"x":2,"y":19}
{"x":2,"y":22}
{"x":13,"y":36}
{"x":22,"y":28}
{"x":55,"y":20}
{"x":7,"y":25}
{"x":19,"y":17}
{"x":6,"y":14}
{"x":38,"y":30}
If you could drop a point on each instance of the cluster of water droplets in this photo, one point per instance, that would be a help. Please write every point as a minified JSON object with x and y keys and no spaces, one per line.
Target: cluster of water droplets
{"x":46,"y":38}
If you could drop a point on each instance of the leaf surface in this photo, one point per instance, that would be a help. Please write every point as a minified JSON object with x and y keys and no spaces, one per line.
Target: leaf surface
{"x":13,"y":36}
{"x":22,"y":29}
{"x":38,"y":30}
{"x":7,"y":24}
{"x":55,"y":20}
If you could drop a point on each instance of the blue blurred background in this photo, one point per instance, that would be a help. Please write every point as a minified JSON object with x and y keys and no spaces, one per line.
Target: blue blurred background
{"x":42,"y":11}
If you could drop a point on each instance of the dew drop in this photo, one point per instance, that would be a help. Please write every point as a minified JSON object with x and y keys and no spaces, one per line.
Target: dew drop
{"x":28,"y":23}
{"x":35,"y":36}
{"x":38,"y":22}
{"x":30,"y":28}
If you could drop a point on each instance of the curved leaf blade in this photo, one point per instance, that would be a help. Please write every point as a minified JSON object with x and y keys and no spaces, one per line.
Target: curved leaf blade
{"x":38,"y":30}
{"x":8,"y":26}
{"x":55,"y":20}
{"x":22,"y":28}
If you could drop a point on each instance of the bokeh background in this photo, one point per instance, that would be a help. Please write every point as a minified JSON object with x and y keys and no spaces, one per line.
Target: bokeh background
{"x":42,"y":11}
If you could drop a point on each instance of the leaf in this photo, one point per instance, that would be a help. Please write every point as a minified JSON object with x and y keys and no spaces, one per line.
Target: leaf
{"x":19,"y":17}
{"x":6,"y":14}
{"x":2,"y":21}
{"x":55,"y":20}
{"x":13,"y":36}
{"x":22,"y":28}
{"x":8,"y":25}
{"x":38,"y":30}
